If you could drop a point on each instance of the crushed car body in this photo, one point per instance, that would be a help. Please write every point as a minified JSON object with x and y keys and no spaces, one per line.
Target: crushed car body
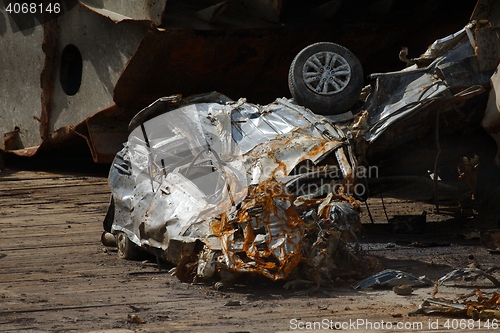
{"x":226,"y":187}
{"x":232,"y":187}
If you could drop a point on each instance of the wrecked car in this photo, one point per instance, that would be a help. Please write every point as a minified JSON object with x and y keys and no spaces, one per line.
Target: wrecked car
{"x":438,"y":100}
{"x":223,"y":187}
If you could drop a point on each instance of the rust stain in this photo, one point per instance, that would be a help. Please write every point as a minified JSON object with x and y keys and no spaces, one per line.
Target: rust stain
{"x":259,"y":211}
{"x":315,"y":151}
{"x":49,"y":47}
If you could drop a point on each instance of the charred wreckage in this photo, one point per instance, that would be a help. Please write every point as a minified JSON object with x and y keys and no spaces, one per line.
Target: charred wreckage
{"x":238,"y":188}
{"x":223,"y":187}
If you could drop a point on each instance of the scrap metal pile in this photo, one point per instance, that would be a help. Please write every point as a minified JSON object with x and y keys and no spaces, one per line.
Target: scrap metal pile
{"x":220,"y":187}
{"x":239,"y":188}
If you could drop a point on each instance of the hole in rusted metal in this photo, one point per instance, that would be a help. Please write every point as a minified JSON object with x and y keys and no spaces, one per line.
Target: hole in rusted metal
{"x":71,"y":69}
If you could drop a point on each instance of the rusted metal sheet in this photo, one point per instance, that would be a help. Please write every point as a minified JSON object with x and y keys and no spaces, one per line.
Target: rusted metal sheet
{"x":20,"y":91}
{"x":105,"y":133}
{"x":47,"y":76}
{"x":74,"y":66}
{"x":103,"y":60}
{"x":160,"y":47}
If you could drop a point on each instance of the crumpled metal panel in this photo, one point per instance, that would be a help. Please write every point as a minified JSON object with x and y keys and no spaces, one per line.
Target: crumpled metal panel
{"x":105,"y":133}
{"x":400,"y":102}
{"x":221,"y":174}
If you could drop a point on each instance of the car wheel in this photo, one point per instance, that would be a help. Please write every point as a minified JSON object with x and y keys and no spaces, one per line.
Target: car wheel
{"x":126,"y":248}
{"x":326,"y":78}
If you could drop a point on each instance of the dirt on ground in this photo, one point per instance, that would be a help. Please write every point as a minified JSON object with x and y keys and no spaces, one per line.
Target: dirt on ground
{"x":55,"y":276}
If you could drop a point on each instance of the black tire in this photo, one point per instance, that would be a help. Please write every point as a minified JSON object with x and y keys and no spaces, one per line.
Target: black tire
{"x":126,"y":248}
{"x":340,"y":80}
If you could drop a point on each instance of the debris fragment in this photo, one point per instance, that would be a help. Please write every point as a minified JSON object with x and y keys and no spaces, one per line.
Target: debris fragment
{"x":479,"y":308}
{"x":460,"y":273}
{"x":233,"y":303}
{"x":409,"y":224}
{"x":403,"y":289}
{"x":135,"y":319}
{"x":392,"y":278}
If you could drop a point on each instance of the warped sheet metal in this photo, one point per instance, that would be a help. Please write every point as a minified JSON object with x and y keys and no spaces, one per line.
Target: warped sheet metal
{"x":391,"y":278}
{"x":480,"y":308}
{"x":82,"y":53}
{"x":262,"y":188}
{"x":141,"y":10}
{"x":402,"y":106}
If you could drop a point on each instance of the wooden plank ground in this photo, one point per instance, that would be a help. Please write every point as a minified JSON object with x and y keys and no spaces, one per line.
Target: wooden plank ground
{"x":55,"y":276}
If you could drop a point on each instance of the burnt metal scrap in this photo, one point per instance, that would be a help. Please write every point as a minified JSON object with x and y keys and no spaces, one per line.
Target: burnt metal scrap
{"x":405,"y":105}
{"x":479,"y":307}
{"x":471,"y":273}
{"x":474,"y":305}
{"x":392,"y":278}
{"x":439,"y":96}
{"x":224,"y":187}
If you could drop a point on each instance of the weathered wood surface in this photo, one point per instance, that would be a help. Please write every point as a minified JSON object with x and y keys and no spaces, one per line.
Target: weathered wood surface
{"x":55,"y":276}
